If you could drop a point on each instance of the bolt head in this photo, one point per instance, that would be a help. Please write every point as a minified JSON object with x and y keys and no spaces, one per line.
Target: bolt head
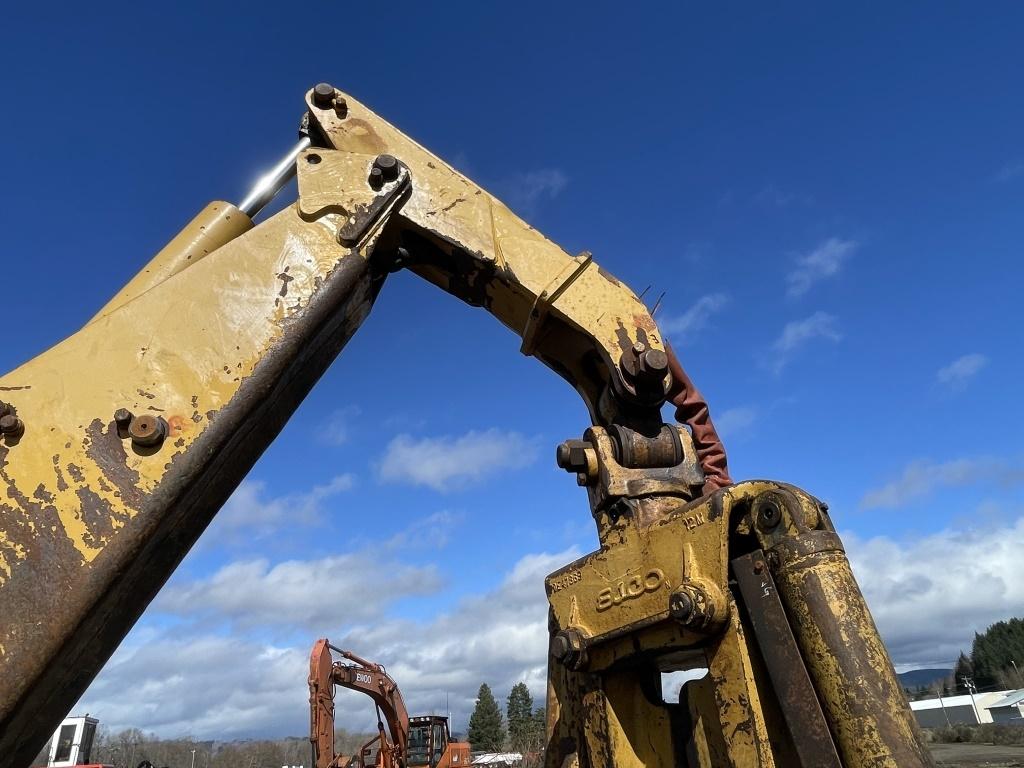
{"x":570,"y":648}
{"x":122,"y":417}
{"x":642,"y":363}
{"x":401,"y":261}
{"x":654,"y":362}
{"x":562,"y":456}
{"x":147,"y":430}
{"x":376,"y":178}
{"x":572,"y":455}
{"x":388,"y":166}
{"x":11,"y":425}
{"x":680,"y":606}
{"x":578,"y":457}
{"x":560,"y":646}
{"x":769,"y":516}
{"x":340,"y":106}
{"x":323,"y":95}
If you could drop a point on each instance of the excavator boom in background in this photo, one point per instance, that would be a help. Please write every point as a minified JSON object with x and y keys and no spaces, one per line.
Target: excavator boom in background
{"x":418,"y":742}
{"x":120,"y":443}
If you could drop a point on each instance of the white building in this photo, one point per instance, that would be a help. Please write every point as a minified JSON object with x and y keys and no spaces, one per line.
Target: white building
{"x":956,"y":710}
{"x":1008,"y":709}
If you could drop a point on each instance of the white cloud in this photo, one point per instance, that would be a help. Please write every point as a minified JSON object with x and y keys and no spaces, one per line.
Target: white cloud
{"x":524,"y":190}
{"x":685,"y":326}
{"x":734,"y":421}
{"x":923,"y":477}
{"x":431,"y":532}
{"x":338,"y":429}
{"x":250,"y":514}
{"x":796,"y":334}
{"x":204,"y":686}
{"x":295,"y":594}
{"x":499,"y":637}
{"x":929,"y":596}
{"x":957,"y":374}
{"x":447,"y":463}
{"x":824,"y":261}
{"x":174,"y":682}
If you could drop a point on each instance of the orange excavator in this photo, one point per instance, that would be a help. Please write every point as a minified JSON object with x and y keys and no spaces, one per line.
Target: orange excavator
{"x":407,"y":742}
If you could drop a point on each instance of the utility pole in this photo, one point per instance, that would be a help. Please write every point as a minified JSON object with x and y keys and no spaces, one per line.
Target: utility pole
{"x":945,"y":714}
{"x":972,"y":689}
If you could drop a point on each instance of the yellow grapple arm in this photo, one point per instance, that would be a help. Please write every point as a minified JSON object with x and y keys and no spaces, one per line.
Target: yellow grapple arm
{"x":120,"y":443}
{"x":125,"y":439}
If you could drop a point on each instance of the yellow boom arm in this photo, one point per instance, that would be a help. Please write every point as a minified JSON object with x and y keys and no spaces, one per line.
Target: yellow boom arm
{"x":120,"y":443}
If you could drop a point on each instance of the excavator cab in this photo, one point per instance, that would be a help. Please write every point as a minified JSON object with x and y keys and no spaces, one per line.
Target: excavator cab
{"x":429,"y":743}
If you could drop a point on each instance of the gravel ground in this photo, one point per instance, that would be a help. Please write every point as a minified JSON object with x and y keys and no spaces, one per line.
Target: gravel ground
{"x":971,"y":755}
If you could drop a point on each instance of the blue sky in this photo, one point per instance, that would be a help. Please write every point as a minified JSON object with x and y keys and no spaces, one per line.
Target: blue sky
{"x":830,"y":200}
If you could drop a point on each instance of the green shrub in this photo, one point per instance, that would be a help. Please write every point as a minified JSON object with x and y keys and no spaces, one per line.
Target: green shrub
{"x":986,"y":733}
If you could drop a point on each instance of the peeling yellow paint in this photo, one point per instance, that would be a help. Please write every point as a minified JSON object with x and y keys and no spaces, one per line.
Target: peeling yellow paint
{"x":18,"y":552}
{"x":187,"y":343}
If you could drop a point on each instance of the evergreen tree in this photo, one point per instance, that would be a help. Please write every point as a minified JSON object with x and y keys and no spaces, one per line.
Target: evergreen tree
{"x":996,"y":650}
{"x":520,"y":717}
{"x":486,"y":731}
{"x":964,"y":670}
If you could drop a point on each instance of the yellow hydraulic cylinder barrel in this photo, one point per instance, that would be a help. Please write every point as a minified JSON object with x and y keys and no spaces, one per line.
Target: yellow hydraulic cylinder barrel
{"x":217,"y":224}
{"x":857,"y":685}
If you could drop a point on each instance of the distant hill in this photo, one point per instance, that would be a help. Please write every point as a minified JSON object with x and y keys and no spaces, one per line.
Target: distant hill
{"x":915,"y":678}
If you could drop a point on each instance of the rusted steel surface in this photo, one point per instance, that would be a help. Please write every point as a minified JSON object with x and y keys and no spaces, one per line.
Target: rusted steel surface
{"x":792,"y":687}
{"x":373,"y":680}
{"x":573,"y":316}
{"x":91,"y":525}
{"x":658,"y":589}
{"x":321,"y":704}
{"x":614,"y":615}
{"x":106,"y":481}
{"x":204,"y":355}
{"x":857,"y":686}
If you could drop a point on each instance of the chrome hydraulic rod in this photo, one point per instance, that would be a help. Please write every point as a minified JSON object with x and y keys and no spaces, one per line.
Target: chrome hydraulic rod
{"x":272,"y":182}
